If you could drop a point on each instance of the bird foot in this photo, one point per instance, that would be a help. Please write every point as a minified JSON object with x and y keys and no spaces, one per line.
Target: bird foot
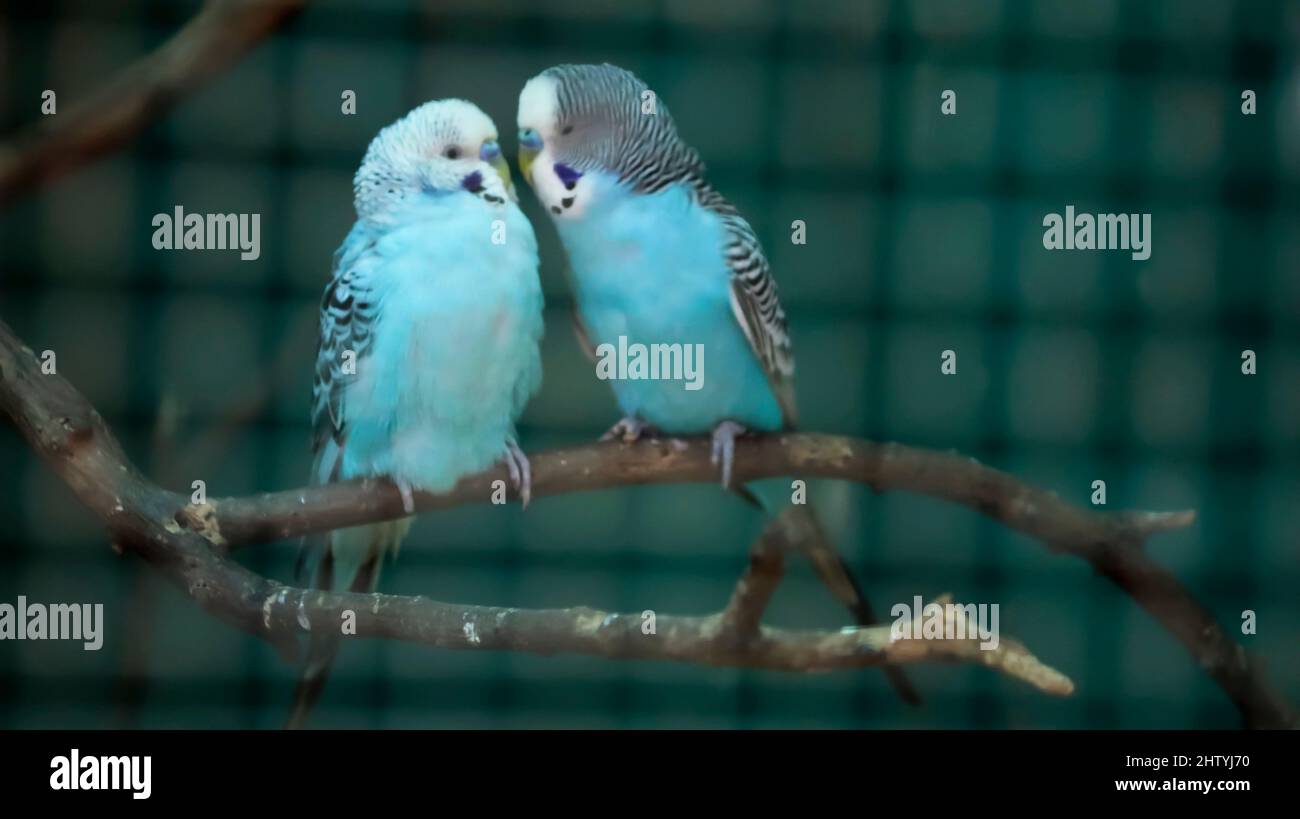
{"x":408,"y":497}
{"x":521,"y":474}
{"x":724,"y":448}
{"x":628,"y":430}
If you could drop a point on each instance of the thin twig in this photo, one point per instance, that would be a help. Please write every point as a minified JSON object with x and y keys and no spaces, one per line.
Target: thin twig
{"x":741,"y":618}
{"x":221,"y":33}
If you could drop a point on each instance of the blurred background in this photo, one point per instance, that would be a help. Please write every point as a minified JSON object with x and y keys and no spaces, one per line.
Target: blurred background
{"x":924,"y":233}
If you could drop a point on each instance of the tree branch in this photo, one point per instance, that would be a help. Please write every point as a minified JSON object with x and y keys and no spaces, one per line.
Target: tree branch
{"x":72,"y":438}
{"x":188,"y":544}
{"x":220,"y":34}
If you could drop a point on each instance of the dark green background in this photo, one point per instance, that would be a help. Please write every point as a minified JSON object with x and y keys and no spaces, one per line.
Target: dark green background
{"x":924,"y":234}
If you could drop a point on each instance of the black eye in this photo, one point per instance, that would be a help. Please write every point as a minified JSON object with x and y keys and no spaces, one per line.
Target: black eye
{"x":451,"y":152}
{"x":568,"y":129}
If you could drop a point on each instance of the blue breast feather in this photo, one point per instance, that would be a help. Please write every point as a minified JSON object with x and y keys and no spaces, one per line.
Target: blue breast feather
{"x":652,"y":268}
{"x":455,"y":350}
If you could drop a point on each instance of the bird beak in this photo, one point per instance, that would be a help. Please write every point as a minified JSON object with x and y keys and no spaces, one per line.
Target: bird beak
{"x":530,"y":145}
{"x":503,"y":170}
{"x":491,"y":154}
{"x":526,"y":158}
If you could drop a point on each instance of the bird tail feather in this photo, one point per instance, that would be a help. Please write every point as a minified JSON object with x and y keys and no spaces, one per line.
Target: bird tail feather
{"x":352,"y":559}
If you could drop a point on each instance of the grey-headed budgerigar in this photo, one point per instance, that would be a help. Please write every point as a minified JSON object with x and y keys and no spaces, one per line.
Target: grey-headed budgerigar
{"x":429,"y":333}
{"x":658,"y":257}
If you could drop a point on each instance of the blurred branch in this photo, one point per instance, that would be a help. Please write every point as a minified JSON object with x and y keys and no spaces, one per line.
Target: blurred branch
{"x":219,"y":35}
{"x":188,"y":544}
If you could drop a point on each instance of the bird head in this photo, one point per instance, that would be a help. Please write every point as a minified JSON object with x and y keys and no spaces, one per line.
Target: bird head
{"x":577,"y":119}
{"x":440,"y":146}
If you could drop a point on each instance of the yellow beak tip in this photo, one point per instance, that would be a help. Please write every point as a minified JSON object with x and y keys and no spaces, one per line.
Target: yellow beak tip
{"x":526,"y":164}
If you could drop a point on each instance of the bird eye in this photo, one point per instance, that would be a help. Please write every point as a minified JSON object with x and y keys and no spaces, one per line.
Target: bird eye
{"x":451,"y":152}
{"x":530,"y":140}
{"x":568,"y":129}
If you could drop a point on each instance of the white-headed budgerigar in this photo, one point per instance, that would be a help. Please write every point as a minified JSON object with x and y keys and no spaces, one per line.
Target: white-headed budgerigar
{"x":658,"y":256}
{"x":429,"y":332}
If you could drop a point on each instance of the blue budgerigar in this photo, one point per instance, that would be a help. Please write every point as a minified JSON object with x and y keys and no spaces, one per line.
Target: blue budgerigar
{"x":658,"y":256}
{"x":429,"y":333}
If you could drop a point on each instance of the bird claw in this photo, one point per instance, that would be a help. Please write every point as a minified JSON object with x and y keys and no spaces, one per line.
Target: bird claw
{"x":628,"y":430}
{"x":408,"y":498}
{"x":724,"y":448}
{"x":521,"y":473}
